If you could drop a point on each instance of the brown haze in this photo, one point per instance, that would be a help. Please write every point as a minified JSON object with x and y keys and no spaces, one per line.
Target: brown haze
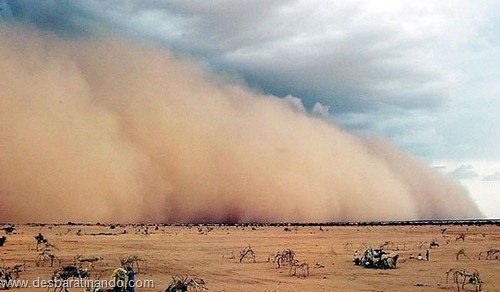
{"x":94,"y":129}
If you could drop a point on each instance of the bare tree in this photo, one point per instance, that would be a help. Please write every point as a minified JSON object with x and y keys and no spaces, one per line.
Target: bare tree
{"x":303,"y":268}
{"x":462,"y":277}
{"x":461,"y":236}
{"x":284,"y":258}
{"x":46,"y":256}
{"x":492,"y":253}
{"x":461,"y":252}
{"x":184,"y":284}
{"x":132,"y":261}
{"x":247,"y":252}
{"x":90,"y":260}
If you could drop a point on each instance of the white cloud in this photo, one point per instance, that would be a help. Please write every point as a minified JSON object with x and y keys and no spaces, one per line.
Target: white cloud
{"x":463,"y":172}
{"x":295,"y":103}
{"x":492,"y":177}
{"x":321,"y":110}
{"x":486,"y":196}
{"x":478,"y":177}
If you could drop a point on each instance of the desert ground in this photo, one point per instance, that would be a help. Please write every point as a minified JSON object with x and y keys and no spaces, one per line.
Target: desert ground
{"x":211,"y":252}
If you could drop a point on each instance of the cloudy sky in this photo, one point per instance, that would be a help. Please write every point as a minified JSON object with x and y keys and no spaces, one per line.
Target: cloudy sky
{"x":425,"y":74}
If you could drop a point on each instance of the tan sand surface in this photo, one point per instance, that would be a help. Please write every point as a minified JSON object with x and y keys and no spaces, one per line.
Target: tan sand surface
{"x":195,"y":251}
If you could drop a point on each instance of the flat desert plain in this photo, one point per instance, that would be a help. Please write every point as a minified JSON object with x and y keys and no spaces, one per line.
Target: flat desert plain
{"x":212,"y":253}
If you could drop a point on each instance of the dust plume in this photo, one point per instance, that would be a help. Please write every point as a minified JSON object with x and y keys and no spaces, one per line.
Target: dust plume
{"x":112,"y":130}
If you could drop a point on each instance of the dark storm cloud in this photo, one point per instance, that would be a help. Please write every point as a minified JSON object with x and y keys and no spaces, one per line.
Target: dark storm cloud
{"x":413,"y":130}
{"x":64,"y":17}
{"x":380,"y":66}
{"x":336,"y":53}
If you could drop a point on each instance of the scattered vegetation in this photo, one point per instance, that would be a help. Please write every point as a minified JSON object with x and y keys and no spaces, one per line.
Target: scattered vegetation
{"x":248,"y":253}
{"x":184,"y":284}
{"x":462,"y":277}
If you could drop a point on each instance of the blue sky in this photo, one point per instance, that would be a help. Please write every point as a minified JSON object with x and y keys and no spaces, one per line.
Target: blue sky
{"x":425,"y":74}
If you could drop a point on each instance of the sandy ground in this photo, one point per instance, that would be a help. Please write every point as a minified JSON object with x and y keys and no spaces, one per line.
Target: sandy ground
{"x":180,"y":250}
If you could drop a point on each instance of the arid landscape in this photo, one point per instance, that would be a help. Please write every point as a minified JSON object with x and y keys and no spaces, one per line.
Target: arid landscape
{"x":375,"y":112}
{"x":212,"y":253}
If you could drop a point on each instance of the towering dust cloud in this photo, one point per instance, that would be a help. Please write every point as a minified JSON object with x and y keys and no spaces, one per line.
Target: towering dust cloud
{"x":94,"y":129}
